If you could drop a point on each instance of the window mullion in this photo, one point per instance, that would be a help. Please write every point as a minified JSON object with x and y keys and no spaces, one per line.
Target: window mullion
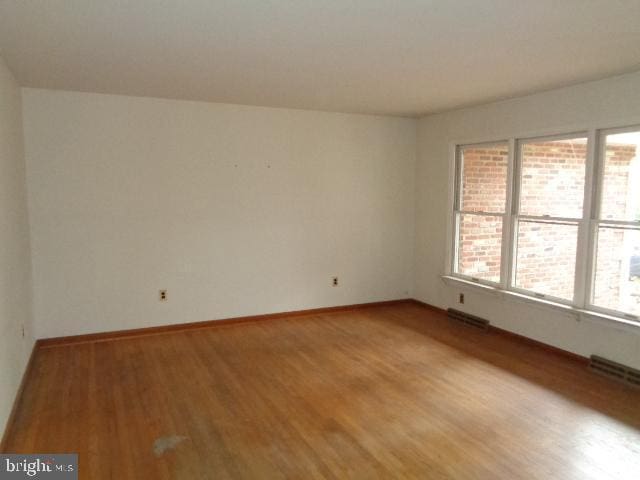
{"x":595,"y":191}
{"x":585,"y":237}
{"x":508,"y":226}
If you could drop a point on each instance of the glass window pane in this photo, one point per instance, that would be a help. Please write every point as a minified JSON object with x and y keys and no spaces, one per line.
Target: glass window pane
{"x":552,"y":177}
{"x":546,"y":258}
{"x":621,"y":181}
{"x":617,"y":281}
{"x":480,"y":246}
{"x":484,"y":178}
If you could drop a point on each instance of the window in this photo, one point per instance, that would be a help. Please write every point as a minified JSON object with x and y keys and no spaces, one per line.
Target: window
{"x":482,"y":175}
{"x":553,"y":217}
{"x":551,"y":185}
{"x":616,"y":285}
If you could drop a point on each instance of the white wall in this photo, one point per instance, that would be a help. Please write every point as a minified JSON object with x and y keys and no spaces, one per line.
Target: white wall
{"x":15,"y":266}
{"x":234,"y":210}
{"x":243,"y":210}
{"x":607,"y":103}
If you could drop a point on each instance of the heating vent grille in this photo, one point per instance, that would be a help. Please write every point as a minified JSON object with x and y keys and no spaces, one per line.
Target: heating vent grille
{"x":468,"y":319}
{"x":614,"y":370}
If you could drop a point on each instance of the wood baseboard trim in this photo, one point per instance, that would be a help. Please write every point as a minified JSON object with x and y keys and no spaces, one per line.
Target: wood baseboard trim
{"x":518,"y":337}
{"x":545,"y":346}
{"x":16,"y":401}
{"x":140,"y":332}
{"x":428,"y":306}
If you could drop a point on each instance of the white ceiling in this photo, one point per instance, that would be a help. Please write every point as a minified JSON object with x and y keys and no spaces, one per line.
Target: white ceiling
{"x":402,"y":57}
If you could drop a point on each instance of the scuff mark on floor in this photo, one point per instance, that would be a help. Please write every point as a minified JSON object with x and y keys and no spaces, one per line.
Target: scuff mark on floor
{"x":162,"y":444}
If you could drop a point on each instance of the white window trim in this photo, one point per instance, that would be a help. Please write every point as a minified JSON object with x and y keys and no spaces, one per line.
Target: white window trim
{"x":581,"y":305}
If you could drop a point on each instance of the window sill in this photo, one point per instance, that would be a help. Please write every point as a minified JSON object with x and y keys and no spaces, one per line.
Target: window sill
{"x":577,"y":313}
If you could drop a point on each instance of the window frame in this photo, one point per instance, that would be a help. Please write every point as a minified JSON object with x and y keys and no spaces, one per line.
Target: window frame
{"x":596,"y":222}
{"x":517,"y":217}
{"x":457,"y":212}
{"x":587,"y":225}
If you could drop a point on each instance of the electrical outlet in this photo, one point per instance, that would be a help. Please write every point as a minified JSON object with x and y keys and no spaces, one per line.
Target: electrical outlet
{"x":334,"y":281}
{"x":163,"y":295}
{"x":461,"y":298}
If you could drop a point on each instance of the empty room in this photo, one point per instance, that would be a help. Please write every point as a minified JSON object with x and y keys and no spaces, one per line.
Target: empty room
{"x":320,"y":239}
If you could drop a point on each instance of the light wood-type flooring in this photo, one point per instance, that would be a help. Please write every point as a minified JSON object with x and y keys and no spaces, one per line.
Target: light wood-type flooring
{"x":393,"y":391}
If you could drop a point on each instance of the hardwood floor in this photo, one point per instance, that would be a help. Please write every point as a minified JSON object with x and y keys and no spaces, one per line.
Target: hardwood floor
{"x":386,"y":392}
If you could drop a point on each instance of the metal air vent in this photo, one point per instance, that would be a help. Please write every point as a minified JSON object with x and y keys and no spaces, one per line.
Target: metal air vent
{"x":468,"y":319}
